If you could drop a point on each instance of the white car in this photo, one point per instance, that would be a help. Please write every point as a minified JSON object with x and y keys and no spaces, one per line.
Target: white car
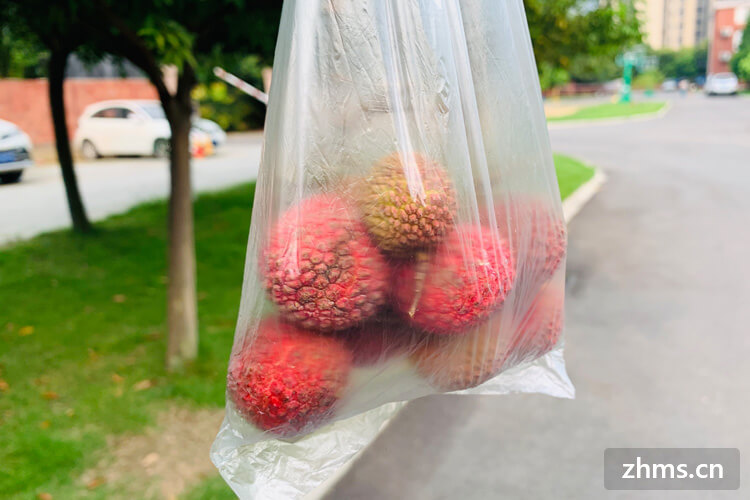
{"x":129,"y":127}
{"x":213,"y":129}
{"x":15,"y":152}
{"x":722,"y":84}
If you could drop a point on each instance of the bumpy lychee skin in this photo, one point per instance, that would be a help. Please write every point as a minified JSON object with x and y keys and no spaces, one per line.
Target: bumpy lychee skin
{"x":461,"y":283}
{"x":321,"y":268}
{"x":541,"y":326}
{"x":539,"y":235}
{"x":462,"y":362}
{"x":407,"y":203}
{"x":287,"y":381}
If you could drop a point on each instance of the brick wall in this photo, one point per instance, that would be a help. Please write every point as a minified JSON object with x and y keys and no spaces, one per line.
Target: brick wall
{"x":26,"y":102}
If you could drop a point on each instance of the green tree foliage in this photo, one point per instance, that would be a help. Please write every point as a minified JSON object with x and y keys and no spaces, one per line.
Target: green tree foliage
{"x":599,"y":68}
{"x":551,"y":76}
{"x":230,"y":107}
{"x":741,"y":60}
{"x":21,"y":54}
{"x":684,"y":63}
{"x":579,"y":36}
{"x":745,"y":42}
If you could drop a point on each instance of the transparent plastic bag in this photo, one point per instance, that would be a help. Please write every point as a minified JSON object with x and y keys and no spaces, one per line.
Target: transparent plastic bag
{"x":407,"y":235}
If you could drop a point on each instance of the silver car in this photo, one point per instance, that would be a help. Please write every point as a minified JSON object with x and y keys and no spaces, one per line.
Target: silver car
{"x":15,"y":152}
{"x":722,"y":84}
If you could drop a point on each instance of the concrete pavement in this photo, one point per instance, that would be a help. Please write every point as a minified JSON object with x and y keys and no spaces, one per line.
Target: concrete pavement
{"x":112,"y":185}
{"x":657,"y":330}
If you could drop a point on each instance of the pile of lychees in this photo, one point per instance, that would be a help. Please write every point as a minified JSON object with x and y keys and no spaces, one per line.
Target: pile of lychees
{"x":384,"y":270}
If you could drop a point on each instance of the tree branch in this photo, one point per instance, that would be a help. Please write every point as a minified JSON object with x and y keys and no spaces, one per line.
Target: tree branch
{"x":129,"y":45}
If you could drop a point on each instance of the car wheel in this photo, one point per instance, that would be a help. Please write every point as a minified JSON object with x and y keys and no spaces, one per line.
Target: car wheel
{"x":11,"y":177}
{"x":88,"y":150}
{"x":161,"y":148}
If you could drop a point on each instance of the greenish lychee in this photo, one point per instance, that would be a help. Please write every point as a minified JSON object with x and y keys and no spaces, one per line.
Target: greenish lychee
{"x":408,"y":204}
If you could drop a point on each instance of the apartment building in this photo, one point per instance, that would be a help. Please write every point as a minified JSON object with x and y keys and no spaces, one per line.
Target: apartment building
{"x":728,"y":21}
{"x":675,"y":24}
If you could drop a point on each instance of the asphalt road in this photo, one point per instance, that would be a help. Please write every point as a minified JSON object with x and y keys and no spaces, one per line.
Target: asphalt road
{"x":657,"y":330}
{"x":108,"y":186}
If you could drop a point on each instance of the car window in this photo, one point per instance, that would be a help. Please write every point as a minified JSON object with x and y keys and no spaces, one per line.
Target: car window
{"x":155,"y":111}
{"x":113,"y":113}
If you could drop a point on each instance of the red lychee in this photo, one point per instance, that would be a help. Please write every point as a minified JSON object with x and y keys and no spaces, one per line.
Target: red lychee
{"x":537,"y":233}
{"x":321,"y":268}
{"x":461,"y":283}
{"x":540,"y":329}
{"x":453,"y":363}
{"x":287,"y":380}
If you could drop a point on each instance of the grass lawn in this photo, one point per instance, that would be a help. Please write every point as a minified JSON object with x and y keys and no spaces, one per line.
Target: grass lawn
{"x":571,"y":174}
{"x":612,"y":110}
{"x":82,"y":331}
{"x":83,"y":327}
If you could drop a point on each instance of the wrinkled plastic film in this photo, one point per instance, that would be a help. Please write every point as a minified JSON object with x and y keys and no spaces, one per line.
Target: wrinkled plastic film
{"x":407,"y":235}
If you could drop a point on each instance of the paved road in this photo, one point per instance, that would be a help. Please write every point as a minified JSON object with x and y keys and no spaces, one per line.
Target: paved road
{"x":658,"y":341}
{"x":109,"y":186}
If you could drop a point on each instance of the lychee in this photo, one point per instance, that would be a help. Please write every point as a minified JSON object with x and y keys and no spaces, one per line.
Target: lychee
{"x":537,"y":233}
{"x":321,"y":268}
{"x":408,"y":203}
{"x":459,"y":284}
{"x":287,"y":380}
{"x":461,"y":362}
{"x":540,"y":329}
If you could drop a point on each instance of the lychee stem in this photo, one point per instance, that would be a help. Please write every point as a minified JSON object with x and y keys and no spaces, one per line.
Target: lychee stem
{"x":419,"y":276}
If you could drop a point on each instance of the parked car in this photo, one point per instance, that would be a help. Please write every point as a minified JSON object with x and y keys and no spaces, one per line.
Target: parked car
{"x":15,"y":152}
{"x":129,"y":127}
{"x":213,"y":129}
{"x":722,"y":84}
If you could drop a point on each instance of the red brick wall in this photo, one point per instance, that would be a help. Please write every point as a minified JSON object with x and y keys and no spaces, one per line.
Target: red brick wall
{"x":26,"y":102}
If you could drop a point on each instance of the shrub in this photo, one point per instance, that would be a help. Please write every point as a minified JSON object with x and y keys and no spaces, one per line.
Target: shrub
{"x":648,"y":80}
{"x":230,"y":107}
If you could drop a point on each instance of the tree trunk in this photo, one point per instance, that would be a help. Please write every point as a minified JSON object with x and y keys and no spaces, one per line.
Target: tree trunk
{"x":57,"y":64}
{"x":182,"y":309}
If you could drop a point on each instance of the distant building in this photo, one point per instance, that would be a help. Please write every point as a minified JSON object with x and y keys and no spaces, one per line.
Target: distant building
{"x":675,"y":24}
{"x":728,"y":21}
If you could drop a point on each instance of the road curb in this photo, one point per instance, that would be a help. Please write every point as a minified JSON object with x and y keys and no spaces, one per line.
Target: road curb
{"x":581,"y":196}
{"x":326,"y":486}
{"x":571,"y":207}
{"x":644,"y":117}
